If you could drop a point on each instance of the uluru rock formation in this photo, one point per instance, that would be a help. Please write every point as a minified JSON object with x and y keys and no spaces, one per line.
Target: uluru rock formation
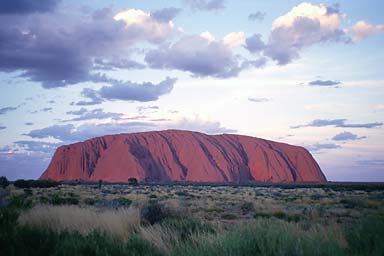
{"x":175,"y":155}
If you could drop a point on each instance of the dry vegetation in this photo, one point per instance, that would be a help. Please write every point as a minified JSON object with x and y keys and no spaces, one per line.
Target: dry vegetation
{"x":201,"y":220}
{"x":119,"y":223}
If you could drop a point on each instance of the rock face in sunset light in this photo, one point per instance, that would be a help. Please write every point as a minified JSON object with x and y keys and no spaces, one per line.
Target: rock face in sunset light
{"x":175,"y":155}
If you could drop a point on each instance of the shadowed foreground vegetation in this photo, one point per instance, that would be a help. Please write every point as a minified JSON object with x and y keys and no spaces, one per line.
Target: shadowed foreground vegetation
{"x":190,"y":220}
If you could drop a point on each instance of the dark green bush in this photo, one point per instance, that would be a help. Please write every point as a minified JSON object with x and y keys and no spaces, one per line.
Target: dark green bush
{"x":122,"y":201}
{"x":132,"y":181}
{"x":22,"y":183}
{"x":35,"y":183}
{"x":28,"y":192}
{"x":154,"y":212}
{"x":4,"y":182}
{"x":90,"y":201}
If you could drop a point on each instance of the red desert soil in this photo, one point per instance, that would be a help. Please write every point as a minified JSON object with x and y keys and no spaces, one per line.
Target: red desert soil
{"x":175,"y":155}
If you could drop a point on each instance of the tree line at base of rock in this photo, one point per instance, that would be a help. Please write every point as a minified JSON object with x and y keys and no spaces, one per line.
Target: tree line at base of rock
{"x":21,"y":183}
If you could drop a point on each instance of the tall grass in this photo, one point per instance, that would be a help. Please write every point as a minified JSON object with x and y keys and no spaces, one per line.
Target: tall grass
{"x":267,"y":237}
{"x":119,"y":223}
{"x":162,"y":237}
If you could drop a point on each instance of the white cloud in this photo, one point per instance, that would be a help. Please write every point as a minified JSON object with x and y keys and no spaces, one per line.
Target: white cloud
{"x":362,"y":30}
{"x":329,"y":21}
{"x":305,"y":25}
{"x":208,"y":36}
{"x":234,"y":39}
{"x":142,"y":24}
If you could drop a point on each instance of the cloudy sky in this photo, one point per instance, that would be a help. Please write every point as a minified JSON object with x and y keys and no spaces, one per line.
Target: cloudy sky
{"x":304,"y":73}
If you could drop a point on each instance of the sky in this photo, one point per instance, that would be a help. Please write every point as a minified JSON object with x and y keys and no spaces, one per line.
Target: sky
{"x":304,"y":73}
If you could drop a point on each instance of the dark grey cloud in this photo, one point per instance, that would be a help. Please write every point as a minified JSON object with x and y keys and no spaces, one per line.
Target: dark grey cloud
{"x":28,"y":123}
{"x":342,"y":123}
{"x":254,"y":43}
{"x":77,"y":112}
{"x":51,"y":101}
{"x":197,"y":55}
{"x":117,"y":63}
{"x":59,"y":132}
{"x":127,"y":90}
{"x":139,"y":117}
{"x":205,"y":5}
{"x":7,"y":149}
{"x":324,"y":83}
{"x":2,"y":127}
{"x":47,"y":109}
{"x":258,"y":63}
{"x":343,"y":136}
{"x":27,"y":6}
{"x":319,"y":147}
{"x":165,"y":14}
{"x":257,"y":16}
{"x":63,"y":48}
{"x":5,"y":110}
{"x":254,"y":99}
{"x":84,"y":114}
{"x":92,"y":95}
{"x":335,"y":8}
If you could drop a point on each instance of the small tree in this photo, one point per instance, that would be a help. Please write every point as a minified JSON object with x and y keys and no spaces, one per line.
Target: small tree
{"x":132,"y":181}
{"x":100,"y":182}
{"x":4,"y":182}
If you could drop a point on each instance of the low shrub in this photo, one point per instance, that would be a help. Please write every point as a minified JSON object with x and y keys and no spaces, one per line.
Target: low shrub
{"x":247,"y":207}
{"x":351,"y":203}
{"x":181,"y":193}
{"x":57,"y":199}
{"x":229,"y":216}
